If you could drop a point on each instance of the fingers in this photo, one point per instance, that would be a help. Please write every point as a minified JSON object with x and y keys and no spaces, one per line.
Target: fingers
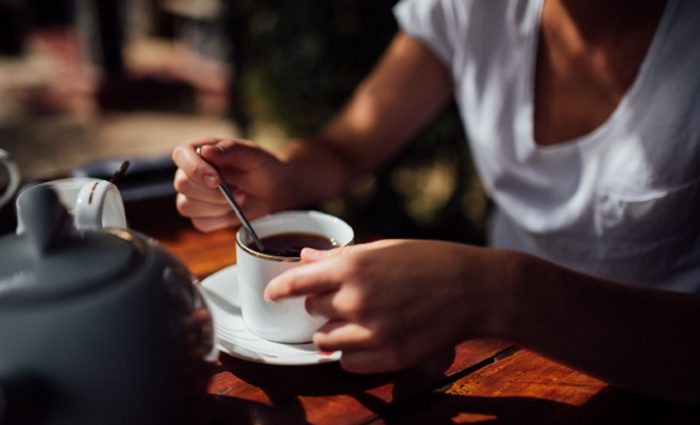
{"x":205,"y":206}
{"x":195,"y":167}
{"x":209,"y":224}
{"x":323,"y":305}
{"x":344,"y":303}
{"x":240,"y":155}
{"x":343,"y":336}
{"x":310,"y":255}
{"x":308,"y":279}
{"x":228,"y":159}
{"x":362,"y":353}
{"x":183,"y":184}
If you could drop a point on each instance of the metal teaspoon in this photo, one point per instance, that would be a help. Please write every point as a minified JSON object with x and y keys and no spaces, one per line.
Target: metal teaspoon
{"x":232,"y":202}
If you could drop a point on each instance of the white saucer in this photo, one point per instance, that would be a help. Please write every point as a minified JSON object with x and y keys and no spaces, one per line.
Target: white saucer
{"x":232,"y":337}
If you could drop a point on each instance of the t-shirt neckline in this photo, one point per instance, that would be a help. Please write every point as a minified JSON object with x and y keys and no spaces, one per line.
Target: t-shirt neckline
{"x":591,"y":137}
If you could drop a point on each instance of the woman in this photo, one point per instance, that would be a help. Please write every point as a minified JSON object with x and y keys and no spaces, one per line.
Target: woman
{"x":581,"y":119}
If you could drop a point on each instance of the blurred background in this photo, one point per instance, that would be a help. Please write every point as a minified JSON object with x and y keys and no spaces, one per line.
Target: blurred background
{"x":85,"y":84}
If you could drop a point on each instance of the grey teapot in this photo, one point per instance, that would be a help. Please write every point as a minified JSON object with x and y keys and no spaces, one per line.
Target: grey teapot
{"x":97,"y":326}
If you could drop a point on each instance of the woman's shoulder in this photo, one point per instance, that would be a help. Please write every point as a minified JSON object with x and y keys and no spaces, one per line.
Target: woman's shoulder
{"x":467,"y":29}
{"x":464,"y":12}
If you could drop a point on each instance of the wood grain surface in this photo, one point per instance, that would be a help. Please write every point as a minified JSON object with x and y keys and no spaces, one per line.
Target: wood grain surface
{"x":479,"y":381}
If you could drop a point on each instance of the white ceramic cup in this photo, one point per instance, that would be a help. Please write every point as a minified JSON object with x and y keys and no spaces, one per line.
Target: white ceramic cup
{"x":93,"y":203}
{"x":285,"y":321}
{"x":12,"y":176}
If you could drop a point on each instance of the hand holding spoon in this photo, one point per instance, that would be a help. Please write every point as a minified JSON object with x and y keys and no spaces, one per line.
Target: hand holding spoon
{"x":232,"y":202}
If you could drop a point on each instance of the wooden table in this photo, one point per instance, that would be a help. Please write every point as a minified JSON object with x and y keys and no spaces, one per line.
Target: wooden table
{"x":479,"y":381}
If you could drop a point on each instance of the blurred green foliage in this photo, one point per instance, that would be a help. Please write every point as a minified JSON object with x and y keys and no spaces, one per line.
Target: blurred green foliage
{"x":299,"y":61}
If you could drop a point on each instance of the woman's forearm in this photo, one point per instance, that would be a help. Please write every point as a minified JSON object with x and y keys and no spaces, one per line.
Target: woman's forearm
{"x":378,"y":120}
{"x":317,"y":171}
{"x":638,"y":338}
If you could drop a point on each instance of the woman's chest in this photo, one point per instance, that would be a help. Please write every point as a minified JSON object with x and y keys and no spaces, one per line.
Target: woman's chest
{"x":583,"y":71}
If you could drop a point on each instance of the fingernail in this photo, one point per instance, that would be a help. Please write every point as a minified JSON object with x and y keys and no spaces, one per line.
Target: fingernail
{"x":211,"y":180}
{"x":267,"y":298}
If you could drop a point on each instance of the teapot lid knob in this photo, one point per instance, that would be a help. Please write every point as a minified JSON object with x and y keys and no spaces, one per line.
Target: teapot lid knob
{"x":52,"y":260}
{"x":47,"y":221}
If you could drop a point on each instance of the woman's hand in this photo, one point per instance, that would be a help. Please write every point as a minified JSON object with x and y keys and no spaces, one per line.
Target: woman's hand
{"x":254,"y":175}
{"x":394,"y":303}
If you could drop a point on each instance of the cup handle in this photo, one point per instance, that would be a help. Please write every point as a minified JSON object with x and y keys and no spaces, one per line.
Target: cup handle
{"x":99,"y":205}
{"x":14,"y":177}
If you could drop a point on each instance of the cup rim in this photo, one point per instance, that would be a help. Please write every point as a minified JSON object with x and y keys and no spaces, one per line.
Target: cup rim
{"x":268,"y":217}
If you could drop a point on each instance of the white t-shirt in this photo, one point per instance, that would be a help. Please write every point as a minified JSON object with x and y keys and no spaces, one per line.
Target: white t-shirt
{"x":622,"y":202}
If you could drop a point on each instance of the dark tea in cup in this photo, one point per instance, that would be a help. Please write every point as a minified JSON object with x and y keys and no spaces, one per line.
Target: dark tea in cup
{"x":290,"y":244}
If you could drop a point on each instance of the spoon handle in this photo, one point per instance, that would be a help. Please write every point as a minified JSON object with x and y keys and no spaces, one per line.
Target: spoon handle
{"x":234,"y":205}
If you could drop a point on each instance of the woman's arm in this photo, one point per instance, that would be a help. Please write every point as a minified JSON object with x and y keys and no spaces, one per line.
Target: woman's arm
{"x":406,"y":89}
{"x":642,"y":339}
{"x":396,"y":303}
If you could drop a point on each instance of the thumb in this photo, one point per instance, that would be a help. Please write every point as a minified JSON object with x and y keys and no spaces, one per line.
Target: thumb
{"x":310,"y":255}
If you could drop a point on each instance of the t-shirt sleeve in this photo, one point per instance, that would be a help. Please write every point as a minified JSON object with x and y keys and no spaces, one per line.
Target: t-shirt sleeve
{"x":430,"y":22}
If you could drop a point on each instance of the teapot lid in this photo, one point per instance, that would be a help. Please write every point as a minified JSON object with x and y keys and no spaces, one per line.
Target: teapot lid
{"x":53,"y":261}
